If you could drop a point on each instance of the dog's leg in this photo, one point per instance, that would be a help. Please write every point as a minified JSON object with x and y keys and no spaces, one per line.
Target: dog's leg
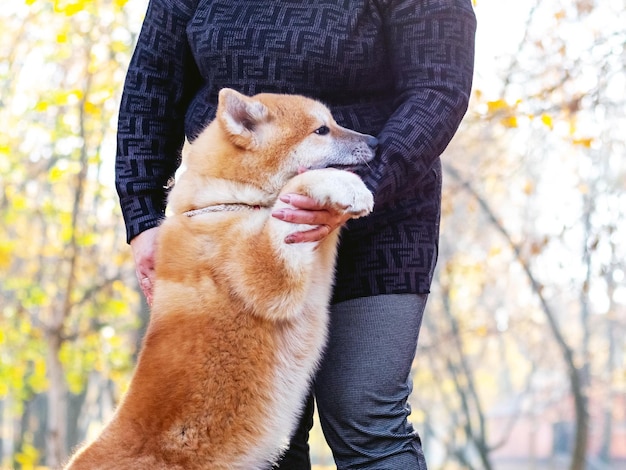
{"x":281,"y":275}
{"x":342,"y":190}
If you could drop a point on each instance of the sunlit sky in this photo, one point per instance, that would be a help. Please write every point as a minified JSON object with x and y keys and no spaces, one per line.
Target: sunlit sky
{"x":500,"y":30}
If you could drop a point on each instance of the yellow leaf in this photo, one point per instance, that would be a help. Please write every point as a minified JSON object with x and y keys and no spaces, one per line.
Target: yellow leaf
{"x":75,"y":382}
{"x":482,"y":330}
{"x":497,"y":105}
{"x":91,"y":108}
{"x":28,"y":457}
{"x":42,"y":106}
{"x":495,"y":251}
{"x":77,"y":94}
{"x":38,"y":380}
{"x":509,"y":122}
{"x":55,"y":174}
{"x":88,"y":239}
{"x":19,"y":202}
{"x":16,"y":376}
{"x":547,"y":120}
{"x":585,"y":142}
{"x":6,"y":248}
{"x":68,"y":7}
{"x":73,"y":9}
{"x":62,"y":38}
{"x":529,"y":187}
{"x":116,"y":342}
{"x":119,"y":46}
{"x":4,"y":389}
{"x":118,"y":286}
{"x":572,"y":126}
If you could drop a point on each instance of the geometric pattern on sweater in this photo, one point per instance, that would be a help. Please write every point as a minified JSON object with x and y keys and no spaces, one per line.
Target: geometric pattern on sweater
{"x":397,"y":69}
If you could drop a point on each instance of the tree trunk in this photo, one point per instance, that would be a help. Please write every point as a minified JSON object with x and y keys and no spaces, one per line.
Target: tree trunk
{"x":57,"y":405}
{"x":57,"y":395}
{"x":613,"y":346}
{"x":475,"y":418}
{"x":581,"y":438}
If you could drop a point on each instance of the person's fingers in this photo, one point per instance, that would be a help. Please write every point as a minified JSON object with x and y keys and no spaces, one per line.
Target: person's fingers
{"x":145,"y":282}
{"x":301,"y":202}
{"x":308,"y":211}
{"x":309,"y":217}
{"x":143,"y":247}
{"x":145,"y":276}
{"x":324,"y":223}
{"x":313,"y":235}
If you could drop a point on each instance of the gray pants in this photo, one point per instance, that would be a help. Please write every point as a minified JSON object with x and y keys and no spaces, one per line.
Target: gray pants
{"x":363,"y":386}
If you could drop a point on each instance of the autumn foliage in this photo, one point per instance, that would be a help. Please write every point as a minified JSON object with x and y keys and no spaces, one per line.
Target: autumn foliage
{"x":521,"y":358}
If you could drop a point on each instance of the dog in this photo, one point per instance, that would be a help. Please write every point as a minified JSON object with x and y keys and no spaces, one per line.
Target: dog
{"x":239,"y":317}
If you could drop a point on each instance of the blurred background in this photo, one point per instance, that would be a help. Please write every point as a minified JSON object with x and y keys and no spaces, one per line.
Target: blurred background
{"x":522,"y":358}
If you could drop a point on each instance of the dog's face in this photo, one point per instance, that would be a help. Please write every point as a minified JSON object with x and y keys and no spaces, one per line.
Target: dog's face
{"x":267,"y":139}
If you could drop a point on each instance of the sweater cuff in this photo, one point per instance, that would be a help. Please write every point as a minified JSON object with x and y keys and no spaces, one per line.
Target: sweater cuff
{"x":141,"y":214}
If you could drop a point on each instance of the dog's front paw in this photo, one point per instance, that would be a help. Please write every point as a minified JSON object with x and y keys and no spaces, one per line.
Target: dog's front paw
{"x":342,"y":190}
{"x":354,"y":197}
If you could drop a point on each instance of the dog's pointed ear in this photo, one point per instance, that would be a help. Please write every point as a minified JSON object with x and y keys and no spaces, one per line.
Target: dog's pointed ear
{"x":240,"y":117}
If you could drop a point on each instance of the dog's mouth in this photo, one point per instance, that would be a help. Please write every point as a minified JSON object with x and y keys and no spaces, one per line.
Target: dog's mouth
{"x":352,"y":167}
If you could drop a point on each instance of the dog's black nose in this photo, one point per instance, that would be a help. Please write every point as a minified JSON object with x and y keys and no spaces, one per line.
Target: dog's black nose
{"x":372,"y":142}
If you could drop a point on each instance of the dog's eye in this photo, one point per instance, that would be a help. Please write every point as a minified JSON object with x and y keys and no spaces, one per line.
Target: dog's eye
{"x":322,"y":130}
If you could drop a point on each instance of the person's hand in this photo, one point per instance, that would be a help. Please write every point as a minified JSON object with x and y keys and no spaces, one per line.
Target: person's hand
{"x":308,"y":211}
{"x":143,"y":247}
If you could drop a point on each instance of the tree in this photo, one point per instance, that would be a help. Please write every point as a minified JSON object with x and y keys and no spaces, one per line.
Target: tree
{"x":69,"y":292}
{"x":527,"y":316}
{"x":546,"y":193}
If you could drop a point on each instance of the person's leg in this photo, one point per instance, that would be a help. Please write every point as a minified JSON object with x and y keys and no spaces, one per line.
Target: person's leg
{"x":297,"y":457}
{"x":363,"y":385}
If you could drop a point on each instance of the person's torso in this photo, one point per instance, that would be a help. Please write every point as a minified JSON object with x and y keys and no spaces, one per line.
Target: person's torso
{"x":334,"y":51}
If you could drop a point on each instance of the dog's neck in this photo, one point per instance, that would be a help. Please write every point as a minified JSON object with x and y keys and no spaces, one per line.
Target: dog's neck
{"x":232,"y":207}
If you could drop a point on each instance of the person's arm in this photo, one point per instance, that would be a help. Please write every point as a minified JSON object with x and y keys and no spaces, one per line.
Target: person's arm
{"x":431,"y":53}
{"x":160,"y":80}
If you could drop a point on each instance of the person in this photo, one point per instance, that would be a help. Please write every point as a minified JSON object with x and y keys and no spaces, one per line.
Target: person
{"x":400,"y":70}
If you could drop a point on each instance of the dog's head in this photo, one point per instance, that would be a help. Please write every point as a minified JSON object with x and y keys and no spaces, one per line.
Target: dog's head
{"x":266,"y":139}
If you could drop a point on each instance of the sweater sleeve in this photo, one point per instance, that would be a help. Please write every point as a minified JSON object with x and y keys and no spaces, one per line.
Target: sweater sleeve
{"x":160,"y":79}
{"x":431,"y":47}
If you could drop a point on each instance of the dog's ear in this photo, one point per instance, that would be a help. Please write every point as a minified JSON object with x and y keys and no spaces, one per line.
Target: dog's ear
{"x":240,"y":116}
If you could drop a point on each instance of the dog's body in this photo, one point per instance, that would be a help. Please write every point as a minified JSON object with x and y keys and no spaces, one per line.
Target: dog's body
{"x":239,"y":316}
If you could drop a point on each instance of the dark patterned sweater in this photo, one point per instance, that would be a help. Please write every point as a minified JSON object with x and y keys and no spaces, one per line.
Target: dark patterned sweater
{"x":397,"y":69}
